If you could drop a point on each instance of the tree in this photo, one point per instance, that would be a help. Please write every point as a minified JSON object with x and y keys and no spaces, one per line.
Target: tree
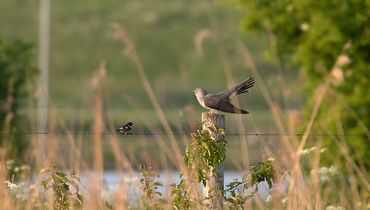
{"x":15,"y":70}
{"x":325,"y":38}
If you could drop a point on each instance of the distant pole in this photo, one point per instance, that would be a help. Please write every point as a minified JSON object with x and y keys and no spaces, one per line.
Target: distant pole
{"x":43,"y":86}
{"x":215,"y":182}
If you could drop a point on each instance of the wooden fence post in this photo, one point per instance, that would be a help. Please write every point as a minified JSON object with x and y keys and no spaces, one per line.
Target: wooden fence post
{"x":215,"y":182}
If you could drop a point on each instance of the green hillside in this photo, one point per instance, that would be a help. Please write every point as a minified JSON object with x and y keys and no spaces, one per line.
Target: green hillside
{"x":164,"y":32}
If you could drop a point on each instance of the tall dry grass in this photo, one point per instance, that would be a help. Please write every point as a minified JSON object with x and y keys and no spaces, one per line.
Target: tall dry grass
{"x":301,"y":181}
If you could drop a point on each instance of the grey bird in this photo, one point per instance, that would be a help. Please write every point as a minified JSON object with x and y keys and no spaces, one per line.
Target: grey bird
{"x":221,"y":101}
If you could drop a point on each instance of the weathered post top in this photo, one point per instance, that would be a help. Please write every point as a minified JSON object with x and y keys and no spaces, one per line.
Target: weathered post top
{"x":211,"y":118}
{"x":215,"y":182}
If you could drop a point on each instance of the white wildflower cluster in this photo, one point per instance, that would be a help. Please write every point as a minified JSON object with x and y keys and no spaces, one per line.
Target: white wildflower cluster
{"x":284,"y":200}
{"x":18,"y":191}
{"x":269,"y":199}
{"x":304,"y":26}
{"x":334,"y":208}
{"x":13,"y":187}
{"x":310,"y":150}
{"x":11,"y":165}
{"x":326,"y":173}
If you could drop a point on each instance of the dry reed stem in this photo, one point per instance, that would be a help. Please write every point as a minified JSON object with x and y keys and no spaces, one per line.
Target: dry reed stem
{"x":230,"y":81}
{"x":189,"y":174}
{"x":286,"y":160}
{"x":130,"y":51}
{"x":74,"y":151}
{"x":315,"y":183}
{"x":275,"y":110}
{"x":344,"y":148}
{"x":319,"y":95}
{"x":52,"y":144}
{"x":161,"y":141}
{"x":200,"y":37}
{"x":6,"y":201}
{"x":97,"y":129}
{"x":122,"y":165}
{"x":9,"y":113}
{"x":357,"y":119}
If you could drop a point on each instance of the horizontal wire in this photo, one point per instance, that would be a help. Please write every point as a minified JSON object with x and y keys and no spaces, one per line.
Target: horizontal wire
{"x":178,"y":134}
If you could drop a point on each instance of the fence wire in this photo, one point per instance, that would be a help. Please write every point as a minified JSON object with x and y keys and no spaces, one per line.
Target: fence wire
{"x":182,"y":134}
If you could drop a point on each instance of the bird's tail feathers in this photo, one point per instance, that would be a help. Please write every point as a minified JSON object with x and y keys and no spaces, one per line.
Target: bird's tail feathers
{"x":243,"y":88}
{"x":240,"y":111}
{"x":244,"y":112}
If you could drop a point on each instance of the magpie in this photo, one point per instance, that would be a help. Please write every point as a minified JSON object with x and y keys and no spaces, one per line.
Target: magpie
{"x":125,"y":128}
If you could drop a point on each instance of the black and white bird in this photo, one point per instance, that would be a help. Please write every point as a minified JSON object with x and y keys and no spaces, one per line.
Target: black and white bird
{"x":125,"y":128}
{"x":221,"y":101}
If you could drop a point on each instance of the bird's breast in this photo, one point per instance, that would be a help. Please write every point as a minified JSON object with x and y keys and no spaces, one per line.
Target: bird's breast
{"x":201,"y":101}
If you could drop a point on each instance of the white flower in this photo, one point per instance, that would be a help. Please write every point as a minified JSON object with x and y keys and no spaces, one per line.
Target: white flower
{"x":12,"y":186}
{"x":326,"y":173}
{"x":9,"y":164}
{"x":268,"y":198}
{"x":304,"y":26}
{"x":323,"y":150}
{"x":307,"y":151}
{"x":334,"y":208}
{"x":271,"y":159}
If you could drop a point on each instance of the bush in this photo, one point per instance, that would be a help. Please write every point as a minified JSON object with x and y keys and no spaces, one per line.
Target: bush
{"x":325,"y":39}
{"x":16,"y":70}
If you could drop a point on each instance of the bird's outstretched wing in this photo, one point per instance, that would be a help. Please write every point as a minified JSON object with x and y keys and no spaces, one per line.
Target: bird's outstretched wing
{"x":238,"y":89}
{"x":220,"y":104}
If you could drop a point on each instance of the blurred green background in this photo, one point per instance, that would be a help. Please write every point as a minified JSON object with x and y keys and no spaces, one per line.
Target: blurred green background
{"x":164,"y":33}
{"x":294,"y":46}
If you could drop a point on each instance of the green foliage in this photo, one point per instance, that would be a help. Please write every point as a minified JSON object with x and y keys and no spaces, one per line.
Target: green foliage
{"x":61,"y":183}
{"x":16,"y":68}
{"x":236,"y":193}
{"x":206,"y":151}
{"x":152,"y":198}
{"x":317,"y":36}
{"x":238,"y":190}
{"x":149,"y":187}
{"x":109,"y":205}
{"x":263,"y":172}
{"x":181,"y":196}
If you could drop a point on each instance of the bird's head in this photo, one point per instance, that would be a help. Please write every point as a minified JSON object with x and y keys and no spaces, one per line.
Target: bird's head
{"x":130,"y":123}
{"x":199,"y":92}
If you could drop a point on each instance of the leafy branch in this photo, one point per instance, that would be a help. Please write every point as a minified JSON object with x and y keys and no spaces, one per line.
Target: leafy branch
{"x":239,"y":190}
{"x":181,"y":196}
{"x":206,"y":151}
{"x":60,"y":183}
{"x":150,"y":188}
